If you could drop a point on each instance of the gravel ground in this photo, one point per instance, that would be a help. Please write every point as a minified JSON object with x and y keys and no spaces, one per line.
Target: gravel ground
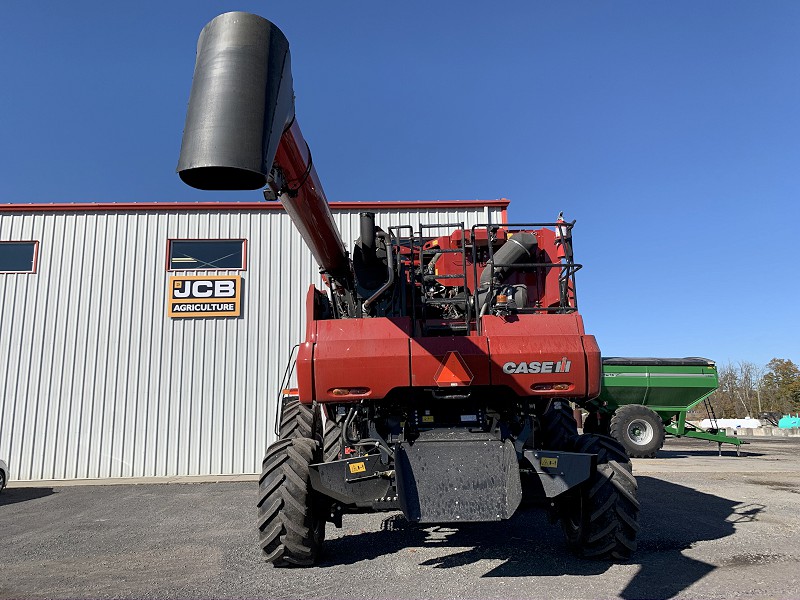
{"x":712,"y":527}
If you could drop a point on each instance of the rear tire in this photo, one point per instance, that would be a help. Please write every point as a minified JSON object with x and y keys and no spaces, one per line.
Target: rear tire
{"x":297,"y":420}
{"x":559,"y":428}
{"x":596,"y":422}
{"x":639,"y":430}
{"x":600,"y":520}
{"x":332,"y":442}
{"x":291,"y":518}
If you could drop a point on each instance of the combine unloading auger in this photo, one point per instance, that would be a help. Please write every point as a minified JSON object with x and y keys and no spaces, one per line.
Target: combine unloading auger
{"x":241,"y":132}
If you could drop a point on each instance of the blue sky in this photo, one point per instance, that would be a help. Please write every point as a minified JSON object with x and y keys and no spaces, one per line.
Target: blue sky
{"x":670,"y":131}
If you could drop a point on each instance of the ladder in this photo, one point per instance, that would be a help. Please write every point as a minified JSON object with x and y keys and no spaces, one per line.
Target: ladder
{"x":428,"y":300}
{"x":711,"y":416}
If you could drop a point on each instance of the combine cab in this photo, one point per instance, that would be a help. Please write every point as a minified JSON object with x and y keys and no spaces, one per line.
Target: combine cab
{"x":437,"y":371}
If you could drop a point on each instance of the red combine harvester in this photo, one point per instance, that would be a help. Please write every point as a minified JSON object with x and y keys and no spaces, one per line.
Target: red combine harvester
{"x":437,"y":371}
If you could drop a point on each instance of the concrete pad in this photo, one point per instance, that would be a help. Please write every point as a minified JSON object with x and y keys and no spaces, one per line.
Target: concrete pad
{"x":132,"y":481}
{"x":705,"y":533}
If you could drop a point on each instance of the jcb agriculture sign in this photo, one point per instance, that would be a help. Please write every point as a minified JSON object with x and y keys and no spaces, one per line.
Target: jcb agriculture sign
{"x":205,"y":296}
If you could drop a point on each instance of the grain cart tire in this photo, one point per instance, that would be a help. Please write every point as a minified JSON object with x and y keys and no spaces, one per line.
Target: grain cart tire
{"x":331,"y":442}
{"x":639,"y":429}
{"x":291,"y":520}
{"x":600,"y":520}
{"x":297,"y":420}
{"x":559,"y":428}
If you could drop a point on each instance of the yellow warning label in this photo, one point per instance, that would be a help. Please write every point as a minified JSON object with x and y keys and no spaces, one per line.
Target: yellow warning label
{"x":549,"y":462}
{"x":358,"y":467}
{"x":427,"y":418}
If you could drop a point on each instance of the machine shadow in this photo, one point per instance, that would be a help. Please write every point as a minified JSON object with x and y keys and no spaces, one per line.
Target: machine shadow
{"x":531,"y":546}
{"x":15,"y":494}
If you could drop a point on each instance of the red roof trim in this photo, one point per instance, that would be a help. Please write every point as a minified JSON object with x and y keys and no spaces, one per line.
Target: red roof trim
{"x":247,"y":206}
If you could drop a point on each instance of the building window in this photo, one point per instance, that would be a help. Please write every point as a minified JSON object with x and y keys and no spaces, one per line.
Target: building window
{"x":18,"y":257}
{"x":206,"y":255}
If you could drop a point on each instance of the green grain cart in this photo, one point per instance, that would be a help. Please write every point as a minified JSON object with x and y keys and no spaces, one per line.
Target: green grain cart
{"x":643,"y":399}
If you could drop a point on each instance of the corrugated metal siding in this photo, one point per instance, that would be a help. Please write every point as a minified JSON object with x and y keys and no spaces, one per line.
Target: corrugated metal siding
{"x":97,"y":381}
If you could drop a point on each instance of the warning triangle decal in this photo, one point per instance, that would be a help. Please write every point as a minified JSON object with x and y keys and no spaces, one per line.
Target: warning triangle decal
{"x":453,"y":372}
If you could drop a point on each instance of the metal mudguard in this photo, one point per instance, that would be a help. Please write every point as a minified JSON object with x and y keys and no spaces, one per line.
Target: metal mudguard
{"x":450,"y":475}
{"x":447,"y":476}
{"x":559,"y":471}
{"x":361,"y":481}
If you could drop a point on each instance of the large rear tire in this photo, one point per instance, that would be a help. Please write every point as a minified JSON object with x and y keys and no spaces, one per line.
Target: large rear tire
{"x":559,"y":428}
{"x":600,"y":520}
{"x":291,"y":519}
{"x":332,"y":441}
{"x":297,"y":420}
{"x":639,"y":430}
{"x":596,"y":422}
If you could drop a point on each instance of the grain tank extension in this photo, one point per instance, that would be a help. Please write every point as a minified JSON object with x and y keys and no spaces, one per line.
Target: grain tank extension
{"x":438,"y":366}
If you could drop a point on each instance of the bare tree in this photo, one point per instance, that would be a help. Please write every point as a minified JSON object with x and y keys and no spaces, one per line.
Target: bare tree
{"x":724,"y":400}
{"x":750,"y":375}
{"x":749,"y":390}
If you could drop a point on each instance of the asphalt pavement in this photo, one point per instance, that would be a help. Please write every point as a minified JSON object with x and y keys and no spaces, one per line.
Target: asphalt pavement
{"x":712,"y":527}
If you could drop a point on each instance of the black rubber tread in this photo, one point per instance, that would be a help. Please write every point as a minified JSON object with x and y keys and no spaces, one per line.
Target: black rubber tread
{"x":596,"y":422}
{"x":331,"y":441}
{"x":297,"y":420}
{"x":606,"y":449}
{"x":618,"y":429}
{"x":559,"y":428}
{"x":291,"y":527}
{"x":602,"y":521}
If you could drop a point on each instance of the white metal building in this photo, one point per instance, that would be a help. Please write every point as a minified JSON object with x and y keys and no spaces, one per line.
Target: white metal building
{"x":97,"y":380}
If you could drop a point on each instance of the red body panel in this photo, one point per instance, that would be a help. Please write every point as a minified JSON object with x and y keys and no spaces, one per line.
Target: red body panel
{"x":360,"y":353}
{"x":594,"y":366}
{"x":305,"y":355}
{"x":305,"y":372}
{"x":530,"y":354}
{"x":428,"y":355}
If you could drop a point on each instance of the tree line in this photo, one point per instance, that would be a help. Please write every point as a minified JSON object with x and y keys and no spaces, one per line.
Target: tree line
{"x":750,"y":390}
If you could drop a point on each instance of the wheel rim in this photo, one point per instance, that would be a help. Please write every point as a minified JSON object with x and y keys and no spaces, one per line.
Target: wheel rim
{"x":640,"y":432}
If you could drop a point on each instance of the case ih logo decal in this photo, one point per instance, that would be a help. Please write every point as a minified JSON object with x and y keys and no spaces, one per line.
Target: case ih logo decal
{"x":208,"y":296}
{"x":562,"y":366}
